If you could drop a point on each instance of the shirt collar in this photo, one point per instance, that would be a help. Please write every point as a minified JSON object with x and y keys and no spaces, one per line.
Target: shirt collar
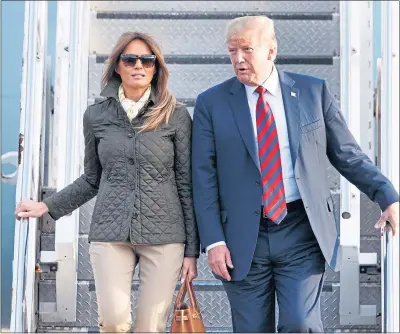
{"x":112,"y":90}
{"x":271,"y":84}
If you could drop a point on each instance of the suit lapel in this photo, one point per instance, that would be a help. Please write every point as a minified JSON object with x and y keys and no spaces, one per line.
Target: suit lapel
{"x":241,"y":112}
{"x":290,"y":97}
{"x":240,"y":107}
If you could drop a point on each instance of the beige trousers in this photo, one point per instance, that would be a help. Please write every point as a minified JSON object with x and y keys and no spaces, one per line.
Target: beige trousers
{"x":114,"y":265}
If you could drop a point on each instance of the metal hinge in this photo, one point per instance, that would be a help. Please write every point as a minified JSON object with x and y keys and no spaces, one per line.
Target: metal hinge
{"x":47,"y":262}
{"x":370,"y":269}
{"x":46,"y":267}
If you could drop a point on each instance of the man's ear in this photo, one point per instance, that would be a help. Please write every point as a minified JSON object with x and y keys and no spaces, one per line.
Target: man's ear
{"x":272,"y":51}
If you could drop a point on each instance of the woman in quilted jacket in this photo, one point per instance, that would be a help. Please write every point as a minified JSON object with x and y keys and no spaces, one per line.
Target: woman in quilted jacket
{"x":137,"y":163}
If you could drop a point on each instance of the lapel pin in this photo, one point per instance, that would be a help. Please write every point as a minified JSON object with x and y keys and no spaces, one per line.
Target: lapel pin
{"x":293,"y":94}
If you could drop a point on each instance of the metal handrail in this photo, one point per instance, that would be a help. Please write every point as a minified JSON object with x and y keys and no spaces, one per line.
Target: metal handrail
{"x":24,"y":173}
{"x":19,"y":270}
{"x":389,"y":245}
{"x":390,"y":281}
{"x":389,"y":160}
{"x":23,"y":285}
{"x":353,"y":89}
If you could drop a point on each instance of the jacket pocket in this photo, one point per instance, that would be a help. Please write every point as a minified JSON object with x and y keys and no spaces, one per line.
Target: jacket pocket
{"x":312,"y":126}
{"x":331,"y":213}
{"x":329,"y":204}
{"x":172,"y":199}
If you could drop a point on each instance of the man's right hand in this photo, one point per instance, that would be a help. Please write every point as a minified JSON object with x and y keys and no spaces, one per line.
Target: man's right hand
{"x":219,"y":258}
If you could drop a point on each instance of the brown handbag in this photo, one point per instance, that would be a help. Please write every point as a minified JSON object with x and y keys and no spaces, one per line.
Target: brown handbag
{"x":187,"y":319}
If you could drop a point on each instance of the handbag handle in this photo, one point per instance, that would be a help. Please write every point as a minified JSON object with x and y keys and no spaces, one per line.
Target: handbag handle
{"x":187,"y":287}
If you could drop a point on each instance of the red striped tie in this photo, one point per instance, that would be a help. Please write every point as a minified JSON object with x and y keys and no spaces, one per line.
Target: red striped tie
{"x":270,"y":161}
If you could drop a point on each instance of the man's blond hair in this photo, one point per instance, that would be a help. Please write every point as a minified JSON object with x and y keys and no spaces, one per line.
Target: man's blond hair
{"x":239,"y":25}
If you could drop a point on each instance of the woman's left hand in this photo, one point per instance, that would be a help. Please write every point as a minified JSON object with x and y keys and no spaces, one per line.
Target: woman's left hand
{"x":189,"y":269}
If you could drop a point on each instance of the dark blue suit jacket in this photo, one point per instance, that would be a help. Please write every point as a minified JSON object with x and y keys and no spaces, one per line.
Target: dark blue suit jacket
{"x":226,"y":177}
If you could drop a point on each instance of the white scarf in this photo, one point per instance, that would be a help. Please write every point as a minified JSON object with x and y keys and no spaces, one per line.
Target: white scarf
{"x":131,"y":107}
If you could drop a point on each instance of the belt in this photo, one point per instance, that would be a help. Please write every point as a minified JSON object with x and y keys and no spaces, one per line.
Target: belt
{"x":295,"y":205}
{"x":292,"y":206}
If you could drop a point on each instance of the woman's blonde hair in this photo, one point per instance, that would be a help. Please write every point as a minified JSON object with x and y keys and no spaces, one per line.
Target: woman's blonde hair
{"x":165,"y":103}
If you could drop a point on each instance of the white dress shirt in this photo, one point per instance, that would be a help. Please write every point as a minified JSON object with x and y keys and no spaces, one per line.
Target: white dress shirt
{"x":274,"y":98}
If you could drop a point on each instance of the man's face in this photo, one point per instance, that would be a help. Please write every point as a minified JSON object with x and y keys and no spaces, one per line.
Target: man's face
{"x":251,"y":56}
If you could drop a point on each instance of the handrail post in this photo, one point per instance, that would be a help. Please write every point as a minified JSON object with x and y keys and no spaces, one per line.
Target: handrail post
{"x":354,"y":90}
{"x":23,"y":312}
{"x":70,"y":103}
{"x":390,"y":157}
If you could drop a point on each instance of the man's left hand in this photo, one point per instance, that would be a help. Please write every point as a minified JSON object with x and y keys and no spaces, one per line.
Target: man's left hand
{"x":391,"y":215}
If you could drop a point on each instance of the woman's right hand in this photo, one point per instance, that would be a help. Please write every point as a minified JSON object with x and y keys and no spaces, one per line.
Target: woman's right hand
{"x":28,"y":209}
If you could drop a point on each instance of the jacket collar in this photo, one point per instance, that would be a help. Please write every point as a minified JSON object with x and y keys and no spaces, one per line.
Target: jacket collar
{"x":240,"y":107}
{"x":111,"y":90}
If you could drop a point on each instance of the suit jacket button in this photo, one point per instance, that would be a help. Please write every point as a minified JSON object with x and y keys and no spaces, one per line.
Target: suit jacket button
{"x":257,"y":212}
{"x":258,"y":183}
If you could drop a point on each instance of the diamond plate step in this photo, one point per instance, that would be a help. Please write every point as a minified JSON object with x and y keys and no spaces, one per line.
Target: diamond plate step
{"x":225,"y":15}
{"x":368,"y":244}
{"x":208,"y":59}
{"x":213,"y":304}
{"x":219,"y":6}
{"x":203,"y":37}
{"x":58,"y":329}
{"x":188,"y":81}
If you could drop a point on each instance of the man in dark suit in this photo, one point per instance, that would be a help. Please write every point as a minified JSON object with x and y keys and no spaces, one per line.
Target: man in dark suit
{"x":261,"y":194}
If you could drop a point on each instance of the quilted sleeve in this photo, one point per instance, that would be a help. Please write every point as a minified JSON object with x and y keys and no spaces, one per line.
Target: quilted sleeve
{"x":86,"y":186}
{"x":183,"y":178}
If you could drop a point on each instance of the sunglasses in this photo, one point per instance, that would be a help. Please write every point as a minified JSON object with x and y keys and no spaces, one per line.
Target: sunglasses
{"x":129,"y":60}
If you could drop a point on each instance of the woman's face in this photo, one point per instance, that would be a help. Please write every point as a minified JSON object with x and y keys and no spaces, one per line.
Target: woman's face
{"x":134,"y":73}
